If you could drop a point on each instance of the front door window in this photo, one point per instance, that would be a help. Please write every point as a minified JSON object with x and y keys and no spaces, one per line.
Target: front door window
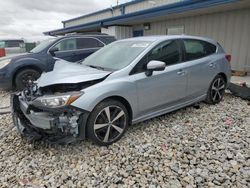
{"x":67,"y":44}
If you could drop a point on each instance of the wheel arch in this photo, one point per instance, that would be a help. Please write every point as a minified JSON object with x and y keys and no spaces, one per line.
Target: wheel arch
{"x":224,"y":76}
{"x":124,"y":102}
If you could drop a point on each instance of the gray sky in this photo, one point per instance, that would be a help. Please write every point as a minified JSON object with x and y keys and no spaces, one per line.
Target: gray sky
{"x":29,"y":18}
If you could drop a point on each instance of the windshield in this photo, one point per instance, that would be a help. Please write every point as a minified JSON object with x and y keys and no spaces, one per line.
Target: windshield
{"x":116,"y":56}
{"x":44,"y":44}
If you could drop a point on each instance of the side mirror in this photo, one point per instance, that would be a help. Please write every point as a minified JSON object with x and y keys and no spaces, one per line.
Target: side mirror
{"x":53,"y":50}
{"x":155,"y":66}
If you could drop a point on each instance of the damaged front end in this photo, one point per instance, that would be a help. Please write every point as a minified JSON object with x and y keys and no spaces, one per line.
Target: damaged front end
{"x":39,"y":114}
{"x":44,"y":111}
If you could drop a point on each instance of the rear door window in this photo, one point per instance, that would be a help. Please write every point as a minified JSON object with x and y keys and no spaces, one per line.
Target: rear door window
{"x":196,"y":49}
{"x":83,"y":43}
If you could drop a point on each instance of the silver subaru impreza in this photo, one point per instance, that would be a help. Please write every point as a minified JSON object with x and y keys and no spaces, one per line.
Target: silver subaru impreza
{"x":124,"y":83}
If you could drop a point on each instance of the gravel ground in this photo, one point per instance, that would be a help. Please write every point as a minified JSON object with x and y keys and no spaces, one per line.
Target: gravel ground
{"x":4,"y":99}
{"x":206,"y":147}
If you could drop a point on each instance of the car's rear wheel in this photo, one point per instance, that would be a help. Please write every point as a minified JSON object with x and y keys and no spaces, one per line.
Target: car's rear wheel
{"x":107,"y":122}
{"x":24,"y":77}
{"x":216,"y":90}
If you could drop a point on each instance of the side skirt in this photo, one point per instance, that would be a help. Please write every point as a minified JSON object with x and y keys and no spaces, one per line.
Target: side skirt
{"x":169,"y":109}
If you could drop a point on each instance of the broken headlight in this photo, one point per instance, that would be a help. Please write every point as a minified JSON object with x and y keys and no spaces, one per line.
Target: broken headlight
{"x":56,"y":101}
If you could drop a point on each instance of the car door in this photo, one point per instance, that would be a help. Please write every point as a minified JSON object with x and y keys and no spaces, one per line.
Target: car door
{"x":201,"y":66}
{"x":66,"y":49}
{"x":164,"y":88}
{"x":85,"y":47}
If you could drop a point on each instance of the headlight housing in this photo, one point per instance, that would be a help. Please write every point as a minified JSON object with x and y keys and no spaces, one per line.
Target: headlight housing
{"x":56,"y":101}
{"x":4,"y":62}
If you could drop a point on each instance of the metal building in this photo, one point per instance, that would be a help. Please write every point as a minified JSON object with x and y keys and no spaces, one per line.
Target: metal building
{"x":227,"y":21}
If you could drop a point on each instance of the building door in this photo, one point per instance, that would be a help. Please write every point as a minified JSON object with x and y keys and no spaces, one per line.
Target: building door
{"x":138,"y":33}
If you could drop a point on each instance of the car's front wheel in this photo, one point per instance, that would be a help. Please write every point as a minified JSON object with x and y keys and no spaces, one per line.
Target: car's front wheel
{"x":107,"y":122}
{"x":216,"y":90}
{"x":23,"y":78}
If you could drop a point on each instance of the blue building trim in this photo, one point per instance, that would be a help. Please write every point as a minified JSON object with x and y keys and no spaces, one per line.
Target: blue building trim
{"x":182,"y":6}
{"x":186,"y":5}
{"x":104,"y":10}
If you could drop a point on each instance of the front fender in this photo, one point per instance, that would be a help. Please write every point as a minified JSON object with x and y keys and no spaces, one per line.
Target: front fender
{"x":11,"y":69}
{"x":24,"y":62}
{"x":97,"y":93}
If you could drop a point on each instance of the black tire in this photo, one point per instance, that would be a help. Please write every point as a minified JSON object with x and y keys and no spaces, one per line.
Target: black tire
{"x":114,"y":129}
{"x":23,"y":76}
{"x":216,"y":90}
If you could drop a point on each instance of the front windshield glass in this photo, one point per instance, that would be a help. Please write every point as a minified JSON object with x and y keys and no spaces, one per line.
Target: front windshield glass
{"x":116,"y":55}
{"x":44,"y":44}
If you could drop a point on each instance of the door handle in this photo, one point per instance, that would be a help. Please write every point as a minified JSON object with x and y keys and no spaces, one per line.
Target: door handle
{"x":181,"y":72}
{"x":212,"y":65}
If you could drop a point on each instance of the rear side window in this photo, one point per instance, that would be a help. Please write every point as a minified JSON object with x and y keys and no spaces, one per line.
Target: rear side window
{"x":88,"y":43}
{"x":196,"y":49}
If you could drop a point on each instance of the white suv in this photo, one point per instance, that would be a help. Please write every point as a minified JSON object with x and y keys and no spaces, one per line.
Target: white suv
{"x":13,"y":46}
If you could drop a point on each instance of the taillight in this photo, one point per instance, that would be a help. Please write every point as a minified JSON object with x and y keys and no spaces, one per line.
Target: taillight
{"x":228,"y":57}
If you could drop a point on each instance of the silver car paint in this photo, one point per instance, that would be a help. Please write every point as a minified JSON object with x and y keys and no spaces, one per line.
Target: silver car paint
{"x":177,"y":86}
{"x":66,"y":73}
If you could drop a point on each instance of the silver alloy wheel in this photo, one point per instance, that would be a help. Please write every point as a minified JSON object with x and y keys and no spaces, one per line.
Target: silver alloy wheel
{"x":217,"y":90}
{"x":110,"y":123}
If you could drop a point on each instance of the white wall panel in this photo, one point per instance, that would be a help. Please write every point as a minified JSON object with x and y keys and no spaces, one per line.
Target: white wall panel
{"x":116,"y":11}
{"x":148,"y":4}
{"x":89,"y":19}
{"x":110,"y":30}
{"x":231,"y":29}
{"x":119,"y":32}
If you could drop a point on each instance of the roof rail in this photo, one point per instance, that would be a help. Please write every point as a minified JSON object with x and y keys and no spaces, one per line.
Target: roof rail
{"x":89,"y":33}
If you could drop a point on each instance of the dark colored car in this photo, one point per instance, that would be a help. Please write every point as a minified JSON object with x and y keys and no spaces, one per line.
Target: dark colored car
{"x":17,"y":71}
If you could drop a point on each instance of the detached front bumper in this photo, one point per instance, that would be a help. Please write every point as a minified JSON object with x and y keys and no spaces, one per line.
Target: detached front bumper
{"x":53,"y":125}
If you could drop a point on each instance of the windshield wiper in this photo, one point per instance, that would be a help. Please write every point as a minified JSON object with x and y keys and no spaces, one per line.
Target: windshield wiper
{"x":80,"y":62}
{"x":96,"y":67}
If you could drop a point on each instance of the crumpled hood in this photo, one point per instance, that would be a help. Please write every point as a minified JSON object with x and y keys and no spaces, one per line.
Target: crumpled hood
{"x":70,"y":73}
